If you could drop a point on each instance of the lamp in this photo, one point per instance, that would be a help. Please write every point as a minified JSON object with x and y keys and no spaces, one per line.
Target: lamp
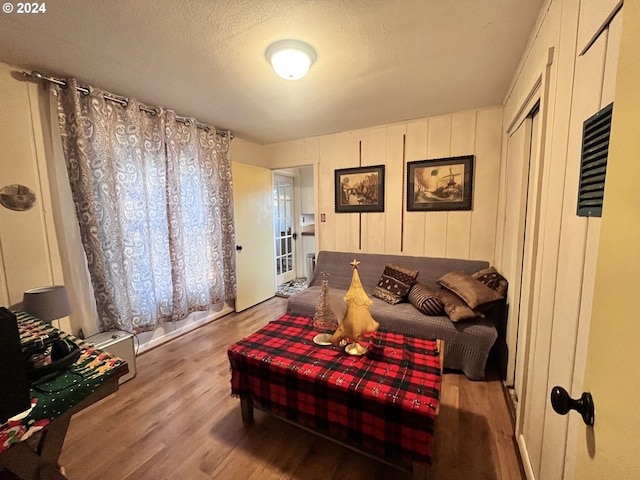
{"x":47,"y":303}
{"x":290,"y":59}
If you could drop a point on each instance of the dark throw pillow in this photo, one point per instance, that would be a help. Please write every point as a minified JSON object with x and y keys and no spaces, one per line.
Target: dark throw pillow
{"x":425,"y":300}
{"x":395,"y":283}
{"x":492,"y":279}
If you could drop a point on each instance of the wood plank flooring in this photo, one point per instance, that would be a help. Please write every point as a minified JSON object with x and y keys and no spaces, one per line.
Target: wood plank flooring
{"x":176,"y":420}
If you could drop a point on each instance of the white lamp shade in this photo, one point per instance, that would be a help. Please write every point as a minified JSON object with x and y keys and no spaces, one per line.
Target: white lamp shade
{"x":47,"y":303}
{"x":291,"y":59}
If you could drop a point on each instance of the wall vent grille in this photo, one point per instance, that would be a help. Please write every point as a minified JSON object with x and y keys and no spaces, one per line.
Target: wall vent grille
{"x":593,"y":164}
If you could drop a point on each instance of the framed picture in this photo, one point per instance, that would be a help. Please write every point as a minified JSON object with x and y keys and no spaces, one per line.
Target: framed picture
{"x":360,"y":189}
{"x":440,"y":184}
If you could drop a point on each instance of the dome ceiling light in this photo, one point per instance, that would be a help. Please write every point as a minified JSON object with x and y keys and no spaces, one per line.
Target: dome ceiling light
{"x":290,"y":59}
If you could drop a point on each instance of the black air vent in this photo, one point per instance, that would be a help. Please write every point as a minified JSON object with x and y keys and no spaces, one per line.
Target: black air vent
{"x":593,"y":164}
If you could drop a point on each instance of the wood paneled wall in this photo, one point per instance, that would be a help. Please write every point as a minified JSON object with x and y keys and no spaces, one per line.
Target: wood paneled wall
{"x":28,"y":246}
{"x":467,"y":234}
{"x":574,"y":86}
{"x":246,"y":152}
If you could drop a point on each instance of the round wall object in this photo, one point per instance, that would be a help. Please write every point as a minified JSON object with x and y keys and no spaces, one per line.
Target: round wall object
{"x":17,"y":197}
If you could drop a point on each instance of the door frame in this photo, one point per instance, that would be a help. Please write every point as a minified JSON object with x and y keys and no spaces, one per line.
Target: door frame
{"x":521,"y":313}
{"x":532,"y":195}
{"x":527,"y":297}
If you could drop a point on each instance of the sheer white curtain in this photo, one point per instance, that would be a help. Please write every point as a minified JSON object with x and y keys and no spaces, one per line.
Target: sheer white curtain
{"x":72,"y":258}
{"x":153,"y":200}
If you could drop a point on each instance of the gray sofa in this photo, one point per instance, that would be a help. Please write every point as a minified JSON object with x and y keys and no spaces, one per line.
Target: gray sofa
{"x":467,"y":343}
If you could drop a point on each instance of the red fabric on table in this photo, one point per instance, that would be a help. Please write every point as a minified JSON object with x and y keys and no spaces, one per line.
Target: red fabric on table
{"x":384,"y":402}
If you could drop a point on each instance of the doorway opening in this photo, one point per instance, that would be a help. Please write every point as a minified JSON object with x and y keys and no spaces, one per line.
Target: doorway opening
{"x":294,"y":228}
{"x":285,"y":236}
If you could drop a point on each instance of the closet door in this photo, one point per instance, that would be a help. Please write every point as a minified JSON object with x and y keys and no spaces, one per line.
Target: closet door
{"x":518,"y":157}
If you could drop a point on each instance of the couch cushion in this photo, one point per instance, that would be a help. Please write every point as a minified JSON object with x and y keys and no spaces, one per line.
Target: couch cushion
{"x":394,"y":284}
{"x":425,"y":300}
{"x":475,"y":293}
{"x":492,"y":279}
{"x":372,"y":264}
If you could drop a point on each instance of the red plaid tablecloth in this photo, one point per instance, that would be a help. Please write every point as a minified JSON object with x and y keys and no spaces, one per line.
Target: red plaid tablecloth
{"x":384,"y":402}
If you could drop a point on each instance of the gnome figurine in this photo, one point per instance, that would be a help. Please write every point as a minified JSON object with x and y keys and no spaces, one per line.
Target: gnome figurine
{"x":357,"y":321}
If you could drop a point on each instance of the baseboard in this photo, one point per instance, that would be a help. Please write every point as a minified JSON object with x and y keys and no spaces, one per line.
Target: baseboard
{"x":524,"y":457}
{"x":153,"y":342}
{"x":511,"y":406}
{"x":520,"y":447}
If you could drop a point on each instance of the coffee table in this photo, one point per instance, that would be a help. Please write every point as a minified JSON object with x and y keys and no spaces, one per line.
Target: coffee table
{"x":383,"y":404}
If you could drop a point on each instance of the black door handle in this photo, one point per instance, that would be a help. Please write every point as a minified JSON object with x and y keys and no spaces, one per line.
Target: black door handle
{"x":294,"y":235}
{"x":562,"y":403}
{"x":238,"y":247}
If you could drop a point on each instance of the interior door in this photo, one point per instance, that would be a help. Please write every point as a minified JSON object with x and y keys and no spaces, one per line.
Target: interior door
{"x":254,"y":233}
{"x":284,"y":228}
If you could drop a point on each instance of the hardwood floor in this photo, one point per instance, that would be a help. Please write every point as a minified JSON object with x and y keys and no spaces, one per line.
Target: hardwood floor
{"x":177,"y":420}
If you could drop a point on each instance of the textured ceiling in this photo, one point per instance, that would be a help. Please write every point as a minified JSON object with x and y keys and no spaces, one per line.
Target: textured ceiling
{"x":379,"y":61}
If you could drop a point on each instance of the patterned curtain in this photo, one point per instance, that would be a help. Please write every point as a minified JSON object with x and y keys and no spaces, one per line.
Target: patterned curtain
{"x":153,"y":197}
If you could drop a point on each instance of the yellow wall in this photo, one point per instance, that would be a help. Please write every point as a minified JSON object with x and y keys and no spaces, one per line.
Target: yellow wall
{"x":466,"y":234}
{"x":610,"y":450}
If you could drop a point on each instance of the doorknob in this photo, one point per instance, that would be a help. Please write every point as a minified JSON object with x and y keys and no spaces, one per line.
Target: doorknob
{"x":238,"y":247}
{"x":562,"y":403}
{"x":295,"y":236}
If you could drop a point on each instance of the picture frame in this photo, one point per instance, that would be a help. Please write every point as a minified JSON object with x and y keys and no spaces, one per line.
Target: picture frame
{"x":440,"y":184}
{"x":359,"y":189}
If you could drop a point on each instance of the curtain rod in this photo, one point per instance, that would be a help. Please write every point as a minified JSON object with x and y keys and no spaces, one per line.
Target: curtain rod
{"x":121,"y":100}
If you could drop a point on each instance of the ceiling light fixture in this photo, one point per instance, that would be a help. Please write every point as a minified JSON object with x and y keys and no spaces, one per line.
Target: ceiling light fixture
{"x":290,"y":59}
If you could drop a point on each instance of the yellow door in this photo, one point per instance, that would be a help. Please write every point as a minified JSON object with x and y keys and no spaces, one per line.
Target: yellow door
{"x":252,"y":192}
{"x":611,"y":448}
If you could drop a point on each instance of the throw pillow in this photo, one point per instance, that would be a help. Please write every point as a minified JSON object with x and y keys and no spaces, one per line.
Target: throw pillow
{"x":455,"y":307}
{"x":425,"y":300}
{"x":473,"y":292}
{"x":395,"y":283}
{"x":492,"y":279}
